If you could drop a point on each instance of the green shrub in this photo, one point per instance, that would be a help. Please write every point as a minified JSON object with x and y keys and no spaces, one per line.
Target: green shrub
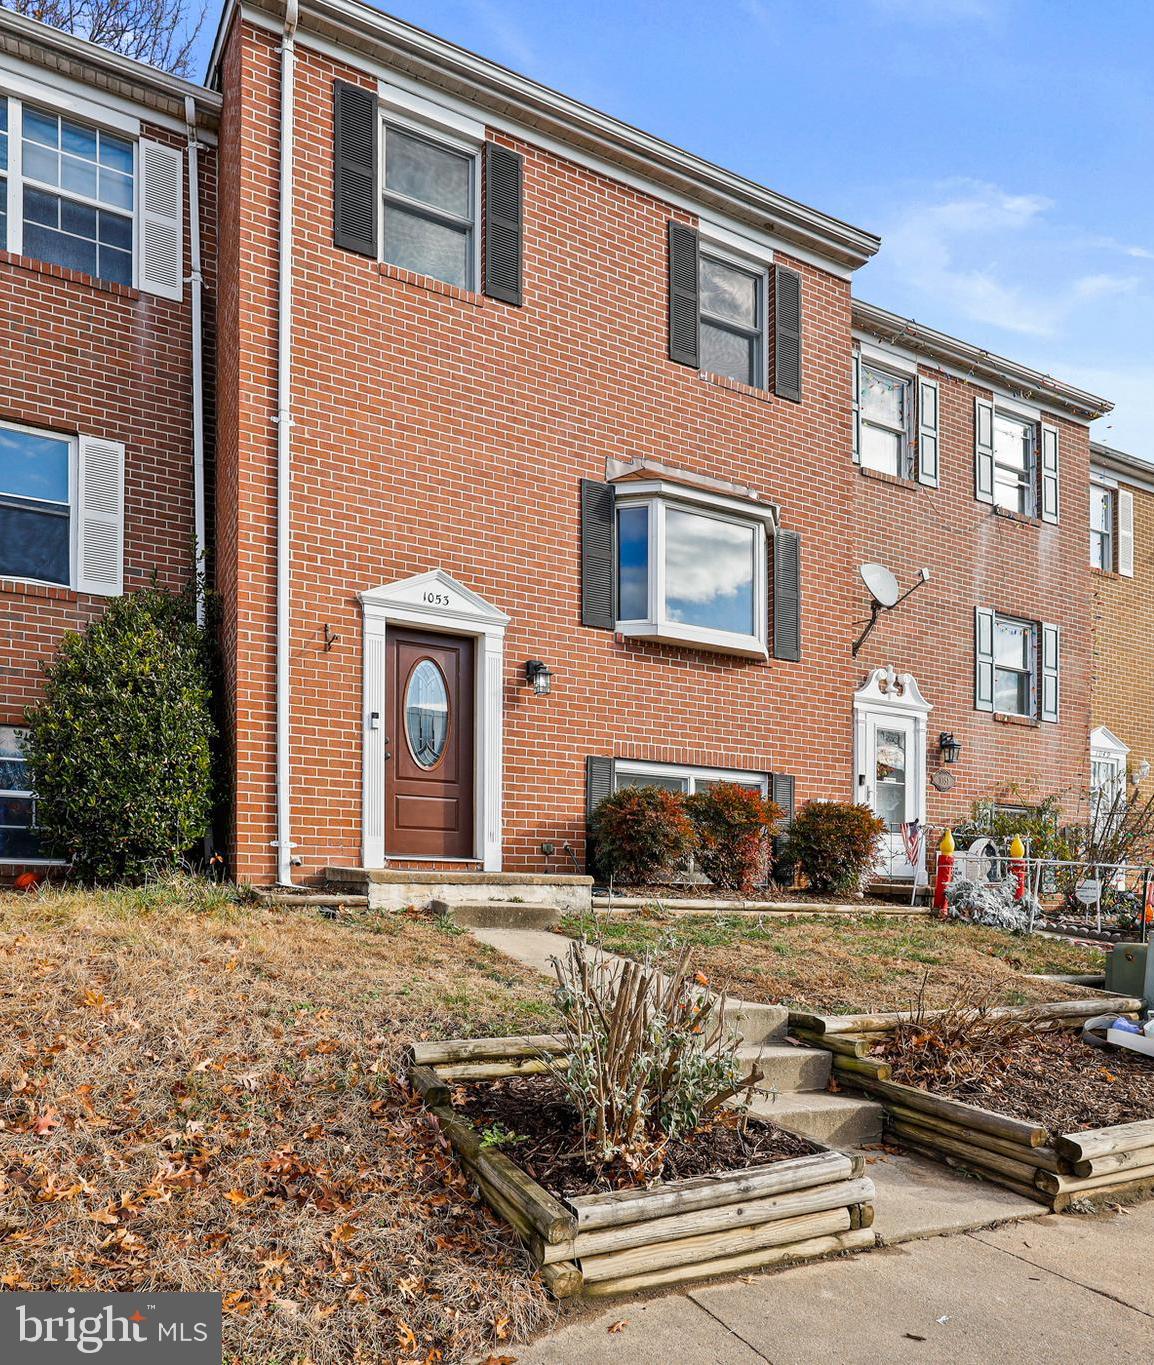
{"x":119,"y":746}
{"x":734,"y":825}
{"x":638,"y":833}
{"x":834,"y":844}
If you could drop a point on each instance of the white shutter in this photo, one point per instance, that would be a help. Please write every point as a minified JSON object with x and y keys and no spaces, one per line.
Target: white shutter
{"x":856,"y":408}
{"x":1049,"y":473}
{"x":928,"y":426}
{"x":983,"y":659}
{"x":100,"y":517}
{"x":983,"y":450}
{"x":1050,"y":685}
{"x":161,"y":229}
{"x":1125,"y":551}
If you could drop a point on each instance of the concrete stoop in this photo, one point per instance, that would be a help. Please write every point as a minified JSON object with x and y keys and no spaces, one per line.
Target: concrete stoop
{"x":398,"y":888}
{"x":498,"y":914}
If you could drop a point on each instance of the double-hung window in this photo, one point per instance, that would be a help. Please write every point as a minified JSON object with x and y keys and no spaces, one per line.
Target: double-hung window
{"x":886,"y":406}
{"x":692,"y":572}
{"x":19,"y":841}
{"x":1015,"y":464}
{"x":1101,"y":527}
{"x":1015,"y":666}
{"x":732,"y":303}
{"x":35,"y":504}
{"x":430,"y":211}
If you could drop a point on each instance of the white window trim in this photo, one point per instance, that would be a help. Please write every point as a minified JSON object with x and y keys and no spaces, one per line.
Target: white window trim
{"x":1111,"y":534}
{"x":692,"y":773}
{"x":1033,"y":631}
{"x":910,"y":379}
{"x":660,"y":495}
{"x":712,"y":246}
{"x":1033,"y":471}
{"x":466,"y":146}
{"x":14,"y":180}
{"x":73,"y":509}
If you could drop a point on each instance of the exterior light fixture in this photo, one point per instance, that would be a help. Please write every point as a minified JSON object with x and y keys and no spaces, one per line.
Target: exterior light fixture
{"x":538,"y":676}
{"x":1141,"y":772}
{"x":949,"y":747}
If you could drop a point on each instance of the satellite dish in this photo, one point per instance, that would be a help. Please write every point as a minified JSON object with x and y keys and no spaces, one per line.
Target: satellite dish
{"x":881,"y":584}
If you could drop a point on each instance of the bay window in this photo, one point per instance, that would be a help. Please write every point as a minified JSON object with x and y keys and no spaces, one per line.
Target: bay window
{"x":692,"y":570}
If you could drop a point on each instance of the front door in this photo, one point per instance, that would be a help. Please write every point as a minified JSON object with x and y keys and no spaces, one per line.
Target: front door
{"x":429,"y":750}
{"x":891,"y":786}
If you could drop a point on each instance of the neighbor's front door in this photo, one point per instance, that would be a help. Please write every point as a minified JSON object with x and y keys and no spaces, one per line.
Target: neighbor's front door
{"x":429,"y":750}
{"x":891,"y":787}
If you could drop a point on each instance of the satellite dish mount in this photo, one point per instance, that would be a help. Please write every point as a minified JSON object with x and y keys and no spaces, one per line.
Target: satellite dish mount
{"x":885,"y":593}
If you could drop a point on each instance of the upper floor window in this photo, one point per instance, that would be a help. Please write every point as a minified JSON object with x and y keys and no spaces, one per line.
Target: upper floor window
{"x":35,"y":505}
{"x":1015,"y":471}
{"x":1015,"y":654}
{"x":885,"y":420}
{"x":429,"y":207}
{"x":1101,"y":527}
{"x":732,"y":301}
{"x":690,"y":574}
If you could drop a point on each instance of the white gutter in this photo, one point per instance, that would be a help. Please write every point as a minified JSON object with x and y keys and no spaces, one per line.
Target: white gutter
{"x":284,"y":421}
{"x":196,"y":282}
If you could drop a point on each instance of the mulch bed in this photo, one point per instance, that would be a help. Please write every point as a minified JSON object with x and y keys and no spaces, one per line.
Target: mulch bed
{"x":549,"y":1146}
{"x":1050,"y":1078}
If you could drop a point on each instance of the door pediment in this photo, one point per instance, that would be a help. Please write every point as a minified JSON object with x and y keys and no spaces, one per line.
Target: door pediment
{"x":897,"y":692}
{"x":433,"y":597}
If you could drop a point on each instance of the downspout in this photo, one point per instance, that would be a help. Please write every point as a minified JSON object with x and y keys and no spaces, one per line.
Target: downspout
{"x":196,"y":281}
{"x":284,"y":421}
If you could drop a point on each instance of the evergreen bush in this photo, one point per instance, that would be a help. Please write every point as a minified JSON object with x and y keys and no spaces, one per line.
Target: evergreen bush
{"x":734,"y":826}
{"x":835,"y":844}
{"x":639,"y":833}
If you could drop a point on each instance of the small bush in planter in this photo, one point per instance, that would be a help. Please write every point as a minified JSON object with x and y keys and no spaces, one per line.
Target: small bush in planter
{"x":119,"y":746}
{"x":638,"y":833}
{"x":834,"y":844}
{"x":734,"y":827}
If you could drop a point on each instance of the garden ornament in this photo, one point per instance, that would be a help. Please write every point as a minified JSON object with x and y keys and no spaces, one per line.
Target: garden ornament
{"x":945,"y":871}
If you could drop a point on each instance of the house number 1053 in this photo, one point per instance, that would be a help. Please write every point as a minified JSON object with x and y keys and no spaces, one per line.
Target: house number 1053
{"x":437,"y":599}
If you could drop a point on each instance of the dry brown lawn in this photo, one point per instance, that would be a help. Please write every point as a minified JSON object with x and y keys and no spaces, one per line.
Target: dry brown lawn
{"x":196,"y":1094}
{"x":852,"y":965}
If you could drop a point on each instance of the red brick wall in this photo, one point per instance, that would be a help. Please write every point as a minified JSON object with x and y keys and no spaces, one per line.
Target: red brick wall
{"x":976,"y":557}
{"x":80,"y":356}
{"x":435,"y":428}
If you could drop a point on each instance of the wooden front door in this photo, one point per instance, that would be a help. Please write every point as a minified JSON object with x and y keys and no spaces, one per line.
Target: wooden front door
{"x":430,"y":746}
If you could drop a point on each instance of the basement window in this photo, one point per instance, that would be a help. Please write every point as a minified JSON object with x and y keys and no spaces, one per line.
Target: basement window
{"x":19,"y":841}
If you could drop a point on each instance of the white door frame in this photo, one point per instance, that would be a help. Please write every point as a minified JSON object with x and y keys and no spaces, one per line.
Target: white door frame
{"x":434,"y":601}
{"x":889,"y":696}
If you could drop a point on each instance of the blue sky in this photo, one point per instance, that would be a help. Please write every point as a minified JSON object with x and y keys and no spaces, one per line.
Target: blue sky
{"x":1003,"y":149}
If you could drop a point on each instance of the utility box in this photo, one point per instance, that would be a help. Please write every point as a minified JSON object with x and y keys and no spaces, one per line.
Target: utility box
{"x":1126,"y":969}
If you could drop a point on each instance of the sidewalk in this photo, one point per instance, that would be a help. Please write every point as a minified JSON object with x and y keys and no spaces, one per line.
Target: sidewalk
{"x":1059,"y":1290}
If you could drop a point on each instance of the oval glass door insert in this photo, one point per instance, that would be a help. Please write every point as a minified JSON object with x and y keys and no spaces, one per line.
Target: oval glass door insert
{"x":427,"y":713}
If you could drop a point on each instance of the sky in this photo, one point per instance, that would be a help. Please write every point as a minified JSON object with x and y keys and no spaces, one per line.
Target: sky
{"x":1002,"y":149}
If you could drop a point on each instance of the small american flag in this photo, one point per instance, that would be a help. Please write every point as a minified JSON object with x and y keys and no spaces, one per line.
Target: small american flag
{"x":911,"y":833}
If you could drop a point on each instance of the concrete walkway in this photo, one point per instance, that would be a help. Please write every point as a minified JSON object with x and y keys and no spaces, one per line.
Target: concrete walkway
{"x":1061,"y":1290}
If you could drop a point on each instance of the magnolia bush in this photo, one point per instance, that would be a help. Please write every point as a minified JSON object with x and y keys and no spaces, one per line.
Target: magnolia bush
{"x":992,"y":904}
{"x":647,"y":1057}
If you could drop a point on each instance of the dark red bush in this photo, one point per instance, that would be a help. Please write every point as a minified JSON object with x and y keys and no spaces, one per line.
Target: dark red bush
{"x":639,"y":833}
{"x":734,"y":826}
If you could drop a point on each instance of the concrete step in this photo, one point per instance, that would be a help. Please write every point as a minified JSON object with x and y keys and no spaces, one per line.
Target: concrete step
{"x":839,"y":1120}
{"x":789,"y":1069}
{"x":498,"y":914}
{"x":312,"y":900}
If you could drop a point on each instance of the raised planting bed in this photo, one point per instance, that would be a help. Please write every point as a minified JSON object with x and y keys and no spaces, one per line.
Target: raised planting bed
{"x":790,"y":1199}
{"x":1036,"y":1136}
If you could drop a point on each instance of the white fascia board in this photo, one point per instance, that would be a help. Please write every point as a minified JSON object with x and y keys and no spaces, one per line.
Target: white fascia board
{"x":638,"y":489}
{"x":359,"y":61}
{"x":432,"y":113}
{"x":755,"y":247}
{"x":65,"y":96}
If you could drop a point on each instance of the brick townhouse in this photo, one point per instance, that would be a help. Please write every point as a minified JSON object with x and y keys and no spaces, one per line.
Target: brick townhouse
{"x":1122,"y":584}
{"x":103,"y":415}
{"x":549,"y":455}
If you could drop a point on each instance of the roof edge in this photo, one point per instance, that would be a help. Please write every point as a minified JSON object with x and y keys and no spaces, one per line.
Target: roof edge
{"x":53,"y":49}
{"x":982,"y":364}
{"x":358,"y":28}
{"x":1109,"y":457}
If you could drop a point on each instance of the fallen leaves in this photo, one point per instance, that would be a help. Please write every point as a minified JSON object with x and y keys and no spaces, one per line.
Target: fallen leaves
{"x":619,"y":1326}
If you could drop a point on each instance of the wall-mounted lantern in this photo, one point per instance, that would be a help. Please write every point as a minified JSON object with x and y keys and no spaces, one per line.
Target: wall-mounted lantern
{"x":949,"y":747}
{"x":539,"y":677}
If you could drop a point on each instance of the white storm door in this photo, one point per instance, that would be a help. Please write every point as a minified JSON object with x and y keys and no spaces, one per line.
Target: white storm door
{"x":891,"y":769}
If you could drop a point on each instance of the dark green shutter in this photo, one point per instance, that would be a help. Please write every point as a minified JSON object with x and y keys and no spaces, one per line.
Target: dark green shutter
{"x":787,"y":333}
{"x":781,"y":793}
{"x":502,"y":224}
{"x":355,"y":174}
{"x":598,"y":558}
{"x":683,"y":300}
{"x":787,"y":595}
